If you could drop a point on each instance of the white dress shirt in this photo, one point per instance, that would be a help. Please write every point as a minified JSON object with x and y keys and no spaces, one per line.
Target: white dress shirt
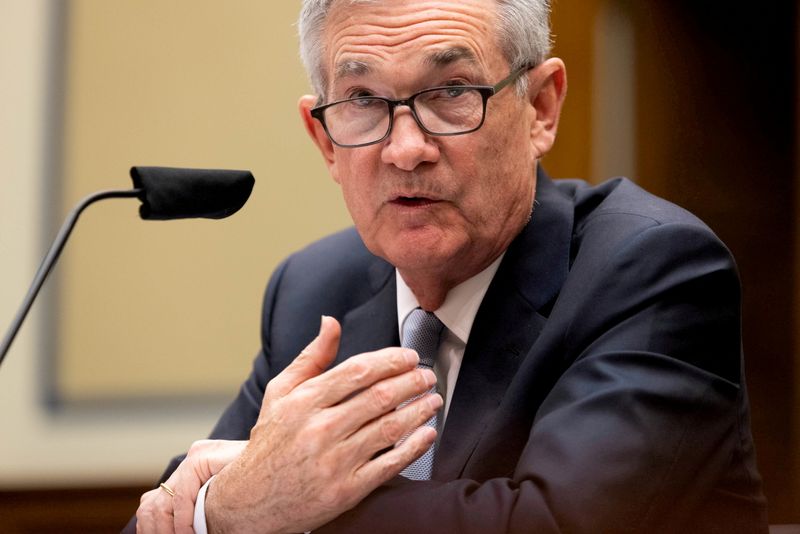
{"x":457,"y":313}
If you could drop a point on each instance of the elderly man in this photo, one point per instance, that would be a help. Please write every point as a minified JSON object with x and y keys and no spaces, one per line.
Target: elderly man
{"x":584,"y":341}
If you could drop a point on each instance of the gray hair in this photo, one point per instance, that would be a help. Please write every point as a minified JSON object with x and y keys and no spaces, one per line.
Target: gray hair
{"x":523,"y":34}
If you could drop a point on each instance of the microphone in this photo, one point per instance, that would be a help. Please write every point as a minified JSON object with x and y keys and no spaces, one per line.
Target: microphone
{"x":166,"y":193}
{"x":172,"y":193}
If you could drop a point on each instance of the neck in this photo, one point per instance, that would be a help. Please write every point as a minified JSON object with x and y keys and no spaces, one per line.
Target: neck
{"x":430,"y":296}
{"x":431,"y":289}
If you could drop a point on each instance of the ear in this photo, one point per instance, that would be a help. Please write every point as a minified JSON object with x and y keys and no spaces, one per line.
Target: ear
{"x":315,"y":130}
{"x":546,"y":90}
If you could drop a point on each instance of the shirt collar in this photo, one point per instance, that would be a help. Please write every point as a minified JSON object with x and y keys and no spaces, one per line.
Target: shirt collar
{"x":460,"y":306}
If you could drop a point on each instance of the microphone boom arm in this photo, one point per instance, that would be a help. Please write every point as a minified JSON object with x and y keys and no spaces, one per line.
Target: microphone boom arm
{"x":51,"y":257}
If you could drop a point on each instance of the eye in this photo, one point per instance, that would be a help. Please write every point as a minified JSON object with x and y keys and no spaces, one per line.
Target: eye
{"x":454,"y":91}
{"x":361,"y":98}
{"x":454,"y":88}
{"x":366,"y":103}
{"x":449,"y":91}
{"x":358,"y":92}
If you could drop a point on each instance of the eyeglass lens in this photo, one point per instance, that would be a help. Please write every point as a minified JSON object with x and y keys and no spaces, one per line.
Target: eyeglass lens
{"x":447,"y":110}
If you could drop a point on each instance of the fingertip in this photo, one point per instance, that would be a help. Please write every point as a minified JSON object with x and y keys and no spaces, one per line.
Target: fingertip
{"x":330,"y":330}
{"x":428,"y":433}
{"x":327,"y":342}
{"x":328,"y":325}
{"x":421,"y":440}
{"x":411,"y":356}
{"x":435,"y":401}
{"x":429,"y":376}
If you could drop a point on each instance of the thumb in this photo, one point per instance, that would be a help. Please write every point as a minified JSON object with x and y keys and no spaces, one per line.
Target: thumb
{"x":312,"y":360}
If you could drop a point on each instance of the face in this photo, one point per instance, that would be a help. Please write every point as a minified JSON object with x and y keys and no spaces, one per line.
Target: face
{"x":440,"y":207}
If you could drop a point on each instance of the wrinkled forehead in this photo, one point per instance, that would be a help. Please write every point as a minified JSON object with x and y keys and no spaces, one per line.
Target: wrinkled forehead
{"x":362,"y":38}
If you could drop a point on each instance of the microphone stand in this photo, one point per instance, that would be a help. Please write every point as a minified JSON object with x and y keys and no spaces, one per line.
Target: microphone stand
{"x":51,"y":257}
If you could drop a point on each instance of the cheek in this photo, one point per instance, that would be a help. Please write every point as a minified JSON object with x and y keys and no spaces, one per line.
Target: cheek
{"x":502,"y":168}
{"x":345,"y":172}
{"x":503,"y":190}
{"x":513,"y":157}
{"x":353,"y":199}
{"x":360,"y":191}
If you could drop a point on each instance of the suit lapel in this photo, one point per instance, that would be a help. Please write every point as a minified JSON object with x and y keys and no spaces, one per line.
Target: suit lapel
{"x":373,"y":325}
{"x":509,"y":320}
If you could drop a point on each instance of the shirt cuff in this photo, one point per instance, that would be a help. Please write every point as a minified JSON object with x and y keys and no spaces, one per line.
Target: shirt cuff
{"x":199,"y":523}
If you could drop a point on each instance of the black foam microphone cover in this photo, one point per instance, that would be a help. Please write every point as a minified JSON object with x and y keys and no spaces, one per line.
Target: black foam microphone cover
{"x":175,"y":193}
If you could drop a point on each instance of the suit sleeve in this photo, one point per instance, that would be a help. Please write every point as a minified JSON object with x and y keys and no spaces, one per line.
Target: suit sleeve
{"x":640,"y":424}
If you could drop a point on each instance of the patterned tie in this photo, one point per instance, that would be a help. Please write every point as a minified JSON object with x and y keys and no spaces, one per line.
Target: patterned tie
{"x":421,"y":332}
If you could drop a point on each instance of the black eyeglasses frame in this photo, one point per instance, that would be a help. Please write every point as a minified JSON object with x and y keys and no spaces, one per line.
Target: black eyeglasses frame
{"x":486,"y":92}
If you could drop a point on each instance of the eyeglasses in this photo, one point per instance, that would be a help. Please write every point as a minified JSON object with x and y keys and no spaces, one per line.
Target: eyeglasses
{"x":447,"y":110}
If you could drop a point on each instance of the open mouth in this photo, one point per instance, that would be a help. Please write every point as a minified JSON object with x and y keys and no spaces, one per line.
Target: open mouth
{"x":413,"y":202}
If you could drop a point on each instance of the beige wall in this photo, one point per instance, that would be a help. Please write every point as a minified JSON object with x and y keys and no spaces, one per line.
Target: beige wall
{"x":172,"y":308}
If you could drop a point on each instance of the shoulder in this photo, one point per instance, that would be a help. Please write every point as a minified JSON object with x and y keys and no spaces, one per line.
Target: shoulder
{"x":338,"y":255}
{"x":646,"y":267}
{"x":618,"y":215}
{"x":338,"y":264}
{"x":620,"y":198}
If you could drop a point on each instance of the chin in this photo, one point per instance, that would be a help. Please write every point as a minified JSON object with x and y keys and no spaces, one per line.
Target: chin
{"x":425,"y":247}
{"x":419,"y":258}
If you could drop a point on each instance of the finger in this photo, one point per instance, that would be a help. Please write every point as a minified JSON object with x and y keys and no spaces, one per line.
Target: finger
{"x":390,"y":429}
{"x":185,"y":485}
{"x":312,"y":361}
{"x":380,"y":398}
{"x":183,"y":503}
{"x":144,"y":514}
{"x":357,"y":373}
{"x":155,"y":512}
{"x":382,"y":468}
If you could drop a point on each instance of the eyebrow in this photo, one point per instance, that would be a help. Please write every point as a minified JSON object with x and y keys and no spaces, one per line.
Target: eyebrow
{"x":440,"y":58}
{"x":448,"y":56}
{"x":352,"y":69}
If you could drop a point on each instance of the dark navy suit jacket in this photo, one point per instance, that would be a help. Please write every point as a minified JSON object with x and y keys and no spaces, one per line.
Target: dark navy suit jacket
{"x":601,"y":389}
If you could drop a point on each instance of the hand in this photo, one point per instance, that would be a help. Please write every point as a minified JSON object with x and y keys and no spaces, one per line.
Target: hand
{"x":160,"y":512}
{"x":310,"y":454}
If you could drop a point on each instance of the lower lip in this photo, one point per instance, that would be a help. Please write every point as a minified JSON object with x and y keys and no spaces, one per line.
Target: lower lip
{"x":414,"y":203}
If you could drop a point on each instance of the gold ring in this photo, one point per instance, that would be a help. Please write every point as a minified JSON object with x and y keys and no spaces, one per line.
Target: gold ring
{"x":167,"y":489}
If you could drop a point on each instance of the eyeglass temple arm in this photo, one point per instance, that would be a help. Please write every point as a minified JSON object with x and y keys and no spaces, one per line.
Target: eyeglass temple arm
{"x":513,"y":76}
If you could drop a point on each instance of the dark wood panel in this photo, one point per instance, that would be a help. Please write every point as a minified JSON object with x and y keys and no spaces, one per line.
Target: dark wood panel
{"x":573,"y":27}
{"x":81,"y":510}
{"x":716,"y":115}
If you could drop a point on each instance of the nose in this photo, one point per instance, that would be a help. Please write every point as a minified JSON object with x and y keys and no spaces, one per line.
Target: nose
{"x":407,"y":145}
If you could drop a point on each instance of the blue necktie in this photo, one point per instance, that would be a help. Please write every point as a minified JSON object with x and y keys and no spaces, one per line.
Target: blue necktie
{"x":421,"y":332}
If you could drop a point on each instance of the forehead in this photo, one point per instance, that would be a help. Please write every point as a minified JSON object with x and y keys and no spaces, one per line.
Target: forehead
{"x":362,"y":37}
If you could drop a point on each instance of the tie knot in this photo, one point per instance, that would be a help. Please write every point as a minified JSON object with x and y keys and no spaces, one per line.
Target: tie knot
{"x":421,"y":332}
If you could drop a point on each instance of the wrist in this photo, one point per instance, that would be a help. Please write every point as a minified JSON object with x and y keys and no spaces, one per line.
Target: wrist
{"x":226,"y":514}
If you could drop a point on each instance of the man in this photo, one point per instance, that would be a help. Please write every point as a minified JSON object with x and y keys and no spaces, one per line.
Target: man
{"x":588,"y":370}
